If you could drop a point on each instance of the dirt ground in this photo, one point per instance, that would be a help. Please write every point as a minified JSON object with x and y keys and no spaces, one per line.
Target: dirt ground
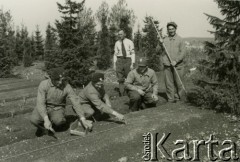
{"x":110,"y":140}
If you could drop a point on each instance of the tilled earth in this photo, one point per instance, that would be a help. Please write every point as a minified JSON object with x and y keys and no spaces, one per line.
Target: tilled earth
{"x":111,"y":140}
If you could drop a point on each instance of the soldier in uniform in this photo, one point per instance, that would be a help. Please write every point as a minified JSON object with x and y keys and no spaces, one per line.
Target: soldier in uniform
{"x":49,"y":112}
{"x":93,"y":97}
{"x":142,"y":86}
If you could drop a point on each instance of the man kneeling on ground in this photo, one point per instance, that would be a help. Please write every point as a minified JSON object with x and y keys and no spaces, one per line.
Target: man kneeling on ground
{"x":142,"y":86}
{"x":49,"y":112}
{"x":93,"y":97}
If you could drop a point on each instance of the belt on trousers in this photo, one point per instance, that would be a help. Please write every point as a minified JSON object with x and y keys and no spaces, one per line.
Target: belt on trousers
{"x":55,"y":106}
{"x":123,"y":57}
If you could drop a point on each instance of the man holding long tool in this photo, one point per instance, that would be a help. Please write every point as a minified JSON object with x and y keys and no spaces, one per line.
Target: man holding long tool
{"x":123,"y":59}
{"x":173,"y":58}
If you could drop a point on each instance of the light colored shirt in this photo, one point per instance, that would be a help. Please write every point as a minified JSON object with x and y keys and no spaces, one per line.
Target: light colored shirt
{"x":146,"y":81}
{"x":51,"y":97}
{"x":175,"y":48}
{"x":90,"y":95}
{"x":129,"y":47}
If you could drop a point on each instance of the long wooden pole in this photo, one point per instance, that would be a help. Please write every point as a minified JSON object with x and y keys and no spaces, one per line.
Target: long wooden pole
{"x":170,"y":59}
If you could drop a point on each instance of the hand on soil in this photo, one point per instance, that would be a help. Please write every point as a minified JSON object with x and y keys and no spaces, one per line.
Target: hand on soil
{"x":87,"y":124}
{"x":120,"y":116}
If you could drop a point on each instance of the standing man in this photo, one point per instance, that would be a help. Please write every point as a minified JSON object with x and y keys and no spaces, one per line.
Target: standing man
{"x":123,"y":59}
{"x":175,"y":48}
{"x":93,"y":97}
{"x":142,"y":86}
{"x":49,"y":112}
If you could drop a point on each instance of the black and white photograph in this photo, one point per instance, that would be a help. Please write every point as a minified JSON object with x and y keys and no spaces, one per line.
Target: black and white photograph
{"x":119,"y":80}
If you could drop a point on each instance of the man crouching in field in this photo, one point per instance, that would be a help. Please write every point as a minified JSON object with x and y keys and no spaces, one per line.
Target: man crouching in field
{"x":93,"y":98}
{"x":51,"y":101}
{"x":142,"y":86}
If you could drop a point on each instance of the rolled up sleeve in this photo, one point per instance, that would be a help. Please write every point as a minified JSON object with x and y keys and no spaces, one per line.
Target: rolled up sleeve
{"x":99,"y":104}
{"x":41,"y":100}
{"x":129,"y":82}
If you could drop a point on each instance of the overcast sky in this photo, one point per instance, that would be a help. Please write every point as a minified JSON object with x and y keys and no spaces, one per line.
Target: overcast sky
{"x":188,"y":14}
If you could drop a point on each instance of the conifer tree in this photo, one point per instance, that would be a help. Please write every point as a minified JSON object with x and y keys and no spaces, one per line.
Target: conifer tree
{"x":27,"y":53}
{"x":76,"y":40}
{"x":103,"y":11}
{"x":86,"y":24}
{"x":51,"y":39}
{"x":50,"y":47}
{"x":8,"y":57}
{"x":138,"y":40}
{"x":120,"y":16}
{"x":23,"y":38}
{"x":150,"y":43}
{"x":104,"y":51}
{"x":218,"y":84}
{"x":103,"y":57}
{"x":125,"y":25}
{"x":39,"y":48}
{"x":119,"y":11}
{"x":67,"y":28}
{"x":18,"y":44}
{"x":25,"y":47}
{"x":32,"y":46}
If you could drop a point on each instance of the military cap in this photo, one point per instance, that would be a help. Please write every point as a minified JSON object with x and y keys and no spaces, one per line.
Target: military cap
{"x":142,"y":61}
{"x":96,"y":77}
{"x":56,"y":73}
{"x":172,"y":24}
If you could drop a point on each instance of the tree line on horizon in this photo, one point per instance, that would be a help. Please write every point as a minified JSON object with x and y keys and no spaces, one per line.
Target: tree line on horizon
{"x":73,"y":42}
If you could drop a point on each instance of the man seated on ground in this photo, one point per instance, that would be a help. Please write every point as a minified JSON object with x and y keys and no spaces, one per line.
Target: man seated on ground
{"x":93,"y":97}
{"x":142,"y":86}
{"x":49,"y":112}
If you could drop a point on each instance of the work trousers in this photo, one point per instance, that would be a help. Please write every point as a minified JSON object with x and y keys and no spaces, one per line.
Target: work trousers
{"x":137,"y":101}
{"x":57,"y":117}
{"x":122,"y":69}
{"x":174,"y":89}
{"x":88,"y":109}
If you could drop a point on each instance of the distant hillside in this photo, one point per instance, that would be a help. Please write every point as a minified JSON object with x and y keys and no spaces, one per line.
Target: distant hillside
{"x":198,"y":39}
